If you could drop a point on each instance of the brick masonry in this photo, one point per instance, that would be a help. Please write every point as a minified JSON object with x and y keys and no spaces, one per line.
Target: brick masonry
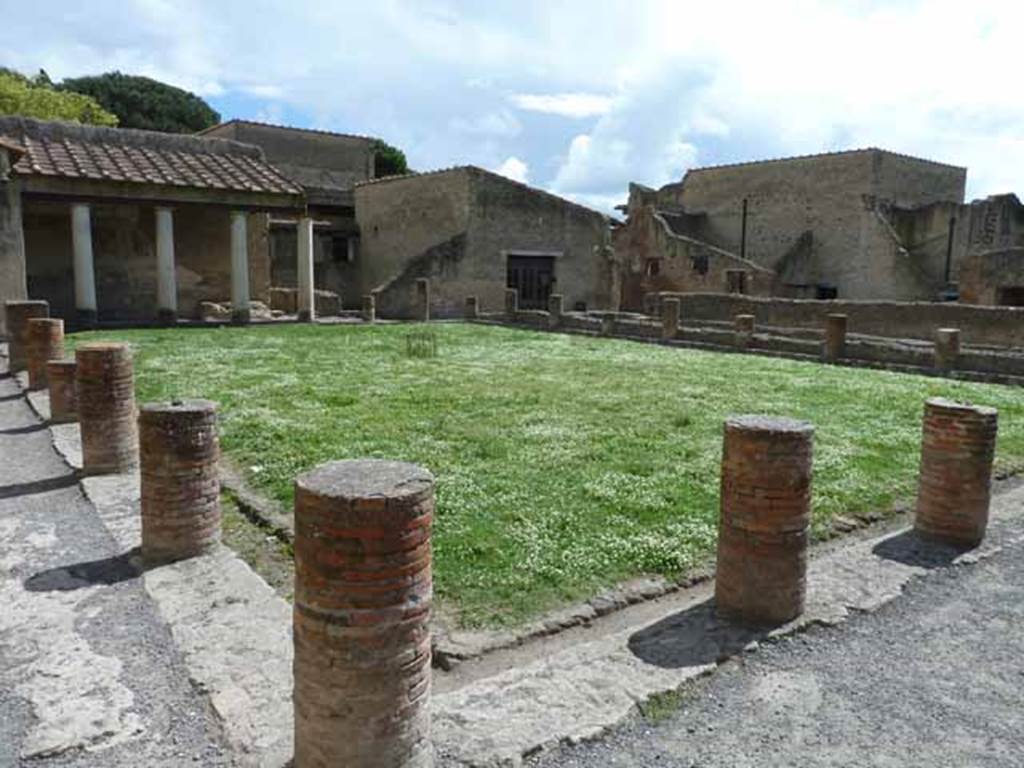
{"x":835,"y":336}
{"x":18,"y":313}
{"x":180,"y":486}
{"x":954,"y":486}
{"x":764,"y":520}
{"x":362,"y":606}
{"x":45,"y":336}
{"x":60,"y":376}
{"x":105,"y":382}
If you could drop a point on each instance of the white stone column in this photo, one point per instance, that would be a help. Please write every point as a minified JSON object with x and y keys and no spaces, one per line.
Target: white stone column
{"x":166,"y":285}
{"x":239,"y":267}
{"x":85,"y":276}
{"x":307,"y":302}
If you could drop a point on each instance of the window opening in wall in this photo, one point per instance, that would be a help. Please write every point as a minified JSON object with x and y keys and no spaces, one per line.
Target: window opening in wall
{"x":826,"y":291}
{"x":700,"y":264}
{"x":532,"y":277}
{"x":1010,"y":295}
{"x":652,"y":267}
{"x":339,"y":248}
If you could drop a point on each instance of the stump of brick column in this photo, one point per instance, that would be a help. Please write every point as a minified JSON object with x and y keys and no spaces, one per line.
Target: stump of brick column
{"x":744,"y":326}
{"x":958,"y":444}
{"x":369,"y":308}
{"x":472,"y":308}
{"x":555,"y":309}
{"x":423,"y":298}
{"x":669,"y":318}
{"x":45,"y":343}
{"x":178,"y":453}
{"x":764,"y":520}
{"x":17,"y":314}
{"x":362,"y":606}
{"x":105,"y":384}
{"x":947,"y":348}
{"x":60,"y":376}
{"x":608,"y":324}
{"x":736,"y":280}
{"x":835,"y":336}
{"x":511,"y":302}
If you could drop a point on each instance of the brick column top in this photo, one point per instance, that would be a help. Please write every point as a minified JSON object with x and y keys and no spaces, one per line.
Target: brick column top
{"x":956,"y":407}
{"x":178,"y":406}
{"x":396,"y":484}
{"x":773,"y":425}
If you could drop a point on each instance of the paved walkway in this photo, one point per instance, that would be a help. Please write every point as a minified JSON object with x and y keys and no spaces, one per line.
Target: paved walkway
{"x":88,"y":672}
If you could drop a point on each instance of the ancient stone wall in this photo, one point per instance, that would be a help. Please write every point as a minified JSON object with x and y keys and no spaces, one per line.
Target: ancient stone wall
{"x":332,"y":268}
{"x":993,"y":278}
{"x":12,"y":246}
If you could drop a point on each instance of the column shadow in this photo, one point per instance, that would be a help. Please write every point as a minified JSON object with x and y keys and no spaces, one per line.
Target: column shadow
{"x":106,"y":572}
{"x":38,"y":486}
{"x":911,"y":548}
{"x":691,"y":638}
{"x":11,"y":398}
{"x":26,"y":430}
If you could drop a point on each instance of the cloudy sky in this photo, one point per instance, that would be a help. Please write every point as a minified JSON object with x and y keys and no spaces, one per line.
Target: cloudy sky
{"x":577,"y":97}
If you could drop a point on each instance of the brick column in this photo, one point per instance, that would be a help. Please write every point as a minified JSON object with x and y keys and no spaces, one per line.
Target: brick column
{"x":736,"y":281}
{"x":45,"y":343}
{"x":511,"y":302}
{"x":178,"y":452}
{"x":958,"y":443}
{"x":362,"y":606}
{"x":555,"y":309}
{"x":947,"y":348}
{"x":764,"y":520}
{"x":60,"y":374}
{"x":423,"y":299}
{"x":744,"y":325}
{"x":18,"y":313}
{"x":608,"y":324}
{"x":369,"y":308}
{"x":669,"y":318}
{"x":472,"y":308}
{"x":106,"y":407}
{"x":835,"y":336}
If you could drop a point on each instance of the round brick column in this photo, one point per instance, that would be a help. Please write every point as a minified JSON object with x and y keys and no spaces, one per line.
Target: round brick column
{"x":669,"y":318}
{"x":178,"y":453}
{"x":958,"y":443}
{"x":835,"y":336}
{"x":744,"y":326}
{"x":764,"y":520}
{"x":472,"y":308}
{"x":60,"y":376}
{"x":45,"y":343}
{"x":511,"y":302}
{"x":608,"y":324}
{"x":17,"y":315}
{"x":106,"y":407}
{"x":555,"y":309}
{"x":369,"y":308}
{"x":362,"y":605}
{"x":423,"y":298}
{"x":947,"y":348}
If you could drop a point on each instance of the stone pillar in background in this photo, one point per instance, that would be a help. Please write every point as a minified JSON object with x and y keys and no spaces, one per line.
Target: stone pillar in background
{"x":239,"y":267}
{"x":835,"y":337}
{"x":17,"y":314}
{"x":958,"y":444}
{"x":511,"y":303}
{"x":423,"y":299}
{"x":744,"y":325}
{"x":947,"y":348}
{"x":60,"y":375}
{"x":362,"y":607}
{"x":669,"y":318}
{"x":736,"y":281}
{"x":764,"y":520}
{"x":45,"y":343}
{"x":472,"y":308}
{"x":369,"y":308}
{"x":106,"y":407}
{"x":555,"y":309}
{"x":306,"y":303}
{"x":608,"y":324}
{"x":166,"y":282}
{"x":178,"y":453}
{"x":85,"y":274}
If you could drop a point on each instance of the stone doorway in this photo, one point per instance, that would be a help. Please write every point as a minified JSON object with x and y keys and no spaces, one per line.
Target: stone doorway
{"x":533,"y":278}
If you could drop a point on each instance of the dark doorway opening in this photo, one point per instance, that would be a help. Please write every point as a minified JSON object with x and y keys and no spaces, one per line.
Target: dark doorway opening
{"x":533,"y":278}
{"x":1010,"y":295}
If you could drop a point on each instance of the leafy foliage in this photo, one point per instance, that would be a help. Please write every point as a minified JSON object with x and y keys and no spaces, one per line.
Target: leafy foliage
{"x":141,"y":102}
{"x":390,"y":161}
{"x":36,"y":97}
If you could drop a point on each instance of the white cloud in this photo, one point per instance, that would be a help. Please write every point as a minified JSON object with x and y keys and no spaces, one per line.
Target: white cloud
{"x":565,"y":104}
{"x":263,"y":90}
{"x":499,"y":124}
{"x":515,"y":169}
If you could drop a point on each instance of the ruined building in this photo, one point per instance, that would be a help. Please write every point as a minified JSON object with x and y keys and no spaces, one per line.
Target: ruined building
{"x":863,"y":224}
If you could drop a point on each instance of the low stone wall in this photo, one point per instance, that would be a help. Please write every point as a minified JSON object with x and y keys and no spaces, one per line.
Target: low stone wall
{"x":979,"y":325}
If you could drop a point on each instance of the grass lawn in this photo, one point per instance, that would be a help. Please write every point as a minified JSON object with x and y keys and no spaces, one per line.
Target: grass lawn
{"x":563,"y":463}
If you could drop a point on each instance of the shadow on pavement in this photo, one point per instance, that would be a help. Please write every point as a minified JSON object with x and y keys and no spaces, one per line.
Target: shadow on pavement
{"x":910,"y":548}
{"x":693,"y":637}
{"x":11,"y":398}
{"x":27,"y":430}
{"x":38,"y":486}
{"x":110,"y":570}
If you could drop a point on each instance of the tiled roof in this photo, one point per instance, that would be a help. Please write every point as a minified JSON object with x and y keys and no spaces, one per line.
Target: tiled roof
{"x":72,"y":151}
{"x":11,"y":147}
{"x":257,"y":123}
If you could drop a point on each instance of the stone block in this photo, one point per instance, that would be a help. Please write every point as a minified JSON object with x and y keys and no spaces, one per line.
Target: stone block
{"x":947,"y":348}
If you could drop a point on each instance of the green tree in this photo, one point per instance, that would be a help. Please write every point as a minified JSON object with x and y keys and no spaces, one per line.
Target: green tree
{"x":389,"y":161}
{"x":141,"y":102}
{"x":36,"y":97}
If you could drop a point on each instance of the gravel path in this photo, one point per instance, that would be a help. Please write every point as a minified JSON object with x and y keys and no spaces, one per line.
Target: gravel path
{"x":88,"y":673}
{"x":933,"y":679}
